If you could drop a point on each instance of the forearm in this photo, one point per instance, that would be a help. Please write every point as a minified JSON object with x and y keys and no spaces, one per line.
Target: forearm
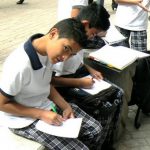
{"x":88,"y":68}
{"x":131,"y":2}
{"x":20,"y":110}
{"x":58,"y":99}
{"x":67,"y":82}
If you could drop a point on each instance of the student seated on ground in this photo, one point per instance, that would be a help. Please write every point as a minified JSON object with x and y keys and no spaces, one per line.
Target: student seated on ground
{"x":27,"y":96}
{"x":95,"y":19}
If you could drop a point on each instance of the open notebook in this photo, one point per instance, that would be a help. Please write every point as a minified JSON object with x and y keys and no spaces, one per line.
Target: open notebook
{"x":69,"y":129}
{"x":118,"y":57}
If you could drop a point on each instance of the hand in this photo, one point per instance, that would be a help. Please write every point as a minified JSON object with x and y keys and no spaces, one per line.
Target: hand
{"x":96,"y":74}
{"x":68,"y":113}
{"x":51,"y":118}
{"x":143,"y":7}
{"x":86,"y":82}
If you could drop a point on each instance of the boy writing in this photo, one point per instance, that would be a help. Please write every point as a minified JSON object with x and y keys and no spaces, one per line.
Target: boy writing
{"x":27,"y":96}
{"x":95,"y":19}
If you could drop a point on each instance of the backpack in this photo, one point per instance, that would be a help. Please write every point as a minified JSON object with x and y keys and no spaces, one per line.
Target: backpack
{"x":141,"y":88}
{"x":104,"y":106}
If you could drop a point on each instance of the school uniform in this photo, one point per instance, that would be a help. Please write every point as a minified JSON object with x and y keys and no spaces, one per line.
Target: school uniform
{"x":26,"y":80}
{"x":69,"y":66}
{"x":134,"y":24}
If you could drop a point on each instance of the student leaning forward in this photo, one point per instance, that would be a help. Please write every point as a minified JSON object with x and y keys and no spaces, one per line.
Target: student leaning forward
{"x":26,"y":95}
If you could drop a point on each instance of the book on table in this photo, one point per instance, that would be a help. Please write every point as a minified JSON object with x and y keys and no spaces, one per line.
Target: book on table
{"x":118,"y":57}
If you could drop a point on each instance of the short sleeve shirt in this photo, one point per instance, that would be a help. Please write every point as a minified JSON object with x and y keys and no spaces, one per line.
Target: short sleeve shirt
{"x":134,"y":17}
{"x":26,"y":79}
{"x":70,"y":66}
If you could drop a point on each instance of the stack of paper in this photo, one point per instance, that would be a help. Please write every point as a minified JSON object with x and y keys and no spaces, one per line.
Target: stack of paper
{"x":117,"y":57}
{"x":69,"y":129}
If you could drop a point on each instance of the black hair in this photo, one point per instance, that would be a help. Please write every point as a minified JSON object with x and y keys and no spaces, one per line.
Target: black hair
{"x":97,"y":16}
{"x":72,"y":29}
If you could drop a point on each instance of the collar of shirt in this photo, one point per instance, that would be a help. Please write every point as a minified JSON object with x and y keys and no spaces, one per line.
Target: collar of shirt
{"x":31,"y":52}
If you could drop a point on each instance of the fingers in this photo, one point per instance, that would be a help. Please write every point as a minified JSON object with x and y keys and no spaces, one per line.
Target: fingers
{"x":58,"y":120}
{"x":72,"y":115}
{"x":93,"y":80}
{"x":68,"y":114}
{"x":65,"y":115}
{"x":98,"y":76}
{"x":143,"y":7}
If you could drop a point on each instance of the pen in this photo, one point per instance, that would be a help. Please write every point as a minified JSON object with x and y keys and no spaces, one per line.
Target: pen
{"x":53,"y":107}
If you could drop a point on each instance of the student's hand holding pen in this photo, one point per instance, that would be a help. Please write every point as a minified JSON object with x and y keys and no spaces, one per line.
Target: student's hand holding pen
{"x":51,"y":117}
{"x":87,"y":82}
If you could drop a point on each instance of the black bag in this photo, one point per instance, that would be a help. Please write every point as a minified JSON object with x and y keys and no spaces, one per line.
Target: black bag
{"x":141,"y":88}
{"x":104,"y":106}
{"x":101,"y":104}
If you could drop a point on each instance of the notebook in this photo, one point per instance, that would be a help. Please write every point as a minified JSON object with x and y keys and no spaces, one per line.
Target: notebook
{"x":118,"y":57}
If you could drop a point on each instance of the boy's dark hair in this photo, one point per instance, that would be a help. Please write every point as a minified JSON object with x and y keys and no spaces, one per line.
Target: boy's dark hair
{"x":72,"y":29}
{"x":97,"y":16}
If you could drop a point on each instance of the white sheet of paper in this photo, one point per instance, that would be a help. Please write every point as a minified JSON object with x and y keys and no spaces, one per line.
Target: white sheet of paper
{"x":113,"y":36}
{"x":98,"y":86}
{"x":69,"y":129}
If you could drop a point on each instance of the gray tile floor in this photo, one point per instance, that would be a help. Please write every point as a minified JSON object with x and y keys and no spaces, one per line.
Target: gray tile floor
{"x":18,"y":22}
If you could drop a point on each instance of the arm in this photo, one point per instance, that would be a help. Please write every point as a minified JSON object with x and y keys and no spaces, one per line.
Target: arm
{"x":8,"y":106}
{"x":60,"y":102}
{"x":12,"y":107}
{"x":94,"y":73}
{"x":73,"y":82}
{"x":133,"y":2}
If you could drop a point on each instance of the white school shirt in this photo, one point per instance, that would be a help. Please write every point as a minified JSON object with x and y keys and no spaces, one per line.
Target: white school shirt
{"x":69,"y":66}
{"x":132,"y":17}
{"x":26,"y":79}
{"x":65,"y":7}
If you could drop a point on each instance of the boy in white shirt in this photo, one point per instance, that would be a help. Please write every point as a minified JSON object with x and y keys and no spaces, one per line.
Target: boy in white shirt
{"x":95,"y":19}
{"x":26,"y":95}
